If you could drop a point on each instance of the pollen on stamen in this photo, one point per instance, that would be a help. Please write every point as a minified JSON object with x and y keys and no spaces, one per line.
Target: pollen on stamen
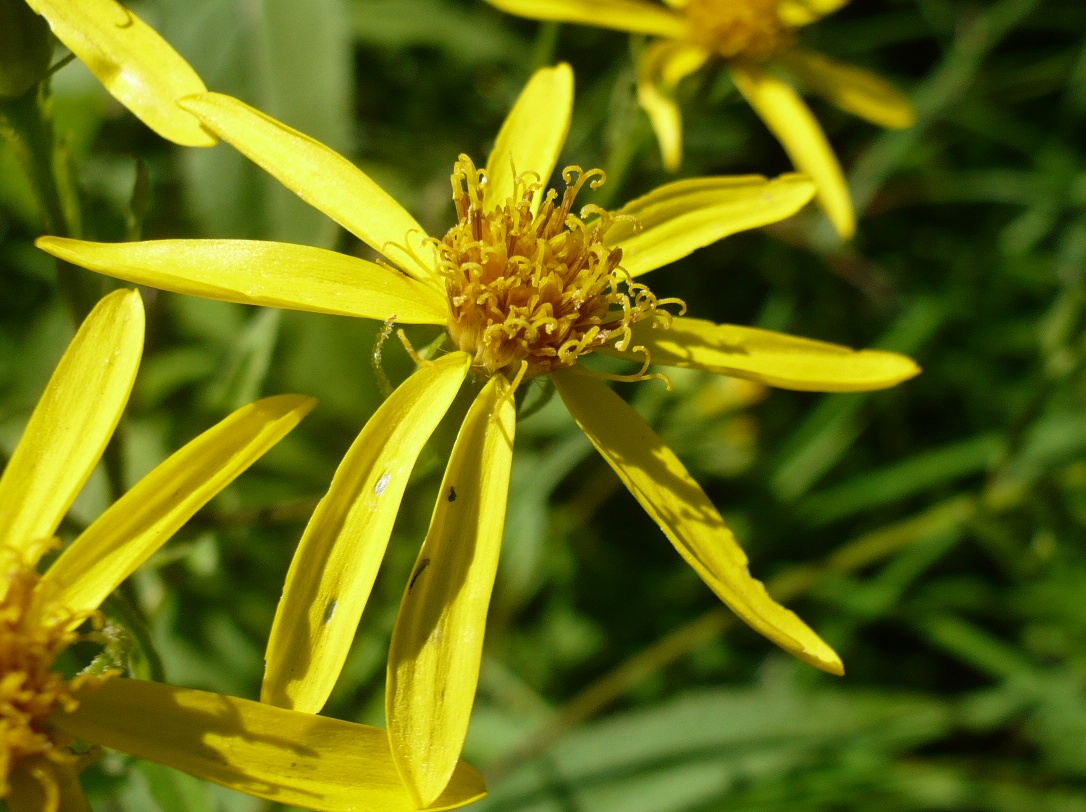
{"x":531,"y":292}
{"x":739,"y":29}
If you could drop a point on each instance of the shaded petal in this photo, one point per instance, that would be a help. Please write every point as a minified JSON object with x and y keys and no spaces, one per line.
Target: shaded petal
{"x":41,"y":785}
{"x":532,"y":135}
{"x":147,"y":516}
{"x":321,"y":177}
{"x":771,"y":358}
{"x":71,"y":424}
{"x":623,"y":15}
{"x":675,"y":219}
{"x":274,"y":274}
{"x":667,"y":492}
{"x":134,"y":63}
{"x":792,"y":122}
{"x":802,"y":12}
{"x":662,"y":66}
{"x":285,"y":756}
{"x":437,"y":644}
{"x":340,"y":552}
{"x":853,"y":89}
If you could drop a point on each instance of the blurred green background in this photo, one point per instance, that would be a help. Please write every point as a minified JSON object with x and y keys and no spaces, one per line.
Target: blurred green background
{"x":934,"y":534}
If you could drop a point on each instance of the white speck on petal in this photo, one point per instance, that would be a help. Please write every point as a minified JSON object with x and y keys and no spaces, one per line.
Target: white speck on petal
{"x":382,"y":483}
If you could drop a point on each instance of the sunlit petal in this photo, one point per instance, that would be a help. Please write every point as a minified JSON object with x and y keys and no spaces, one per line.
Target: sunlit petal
{"x":792,"y":122}
{"x":273,"y":274}
{"x":133,"y":62}
{"x":434,"y":657}
{"x":159,"y":504}
{"x":771,"y":358}
{"x":802,"y":12}
{"x":285,"y":756}
{"x":667,"y":492}
{"x":853,"y":89}
{"x":341,"y":550}
{"x":664,"y":64}
{"x":532,"y":136}
{"x":624,"y":15}
{"x":72,"y":424}
{"x":675,"y":219}
{"x":321,"y":177}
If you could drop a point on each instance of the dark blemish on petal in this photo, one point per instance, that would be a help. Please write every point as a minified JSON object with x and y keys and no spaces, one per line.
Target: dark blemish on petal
{"x":452,"y":494}
{"x":418,"y":571}
{"x":329,"y":611}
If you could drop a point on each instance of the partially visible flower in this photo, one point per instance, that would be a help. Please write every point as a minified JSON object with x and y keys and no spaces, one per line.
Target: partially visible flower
{"x":136,"y":65}
{"x":524,"y":286}
{"x":756,"y":39}
{"x":269,"y":752}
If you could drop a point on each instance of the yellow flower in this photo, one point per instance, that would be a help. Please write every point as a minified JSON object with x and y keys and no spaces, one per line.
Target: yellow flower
{"x":137,"y":66}
{"x":523,"y":286}
{"x":283,"y":755}
{"x":755,"y":38}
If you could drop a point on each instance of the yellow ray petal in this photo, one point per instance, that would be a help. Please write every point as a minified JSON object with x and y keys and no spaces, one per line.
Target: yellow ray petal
{"x":41,"y":785}
{"x":321,"y":177}
{"x":275,"y":274}
{"x":133,"y":62}
{"x":802,"y":12}
{"x":147,"y":516}
{"x":663,"y":65}
{"x":675,"y":219}
{"x":341,"y":550}
{"x":667,"y":492}
{"x":532,"y":136}
{"x":433,"y":660}
{"x":853,"y":89}
{"x":624,"y":15}
{"x":71,"y":424}
{"x":285,"y":756}
{"x":792,"y":122}
{"x":771,"y":358}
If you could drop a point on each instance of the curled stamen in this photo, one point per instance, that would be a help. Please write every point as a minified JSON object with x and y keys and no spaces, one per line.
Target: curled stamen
{"x":407,"y":345}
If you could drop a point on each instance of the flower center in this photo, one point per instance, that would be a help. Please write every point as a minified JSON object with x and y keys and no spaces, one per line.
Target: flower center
{"x":537,"y":289}
{"x":739,"y":29}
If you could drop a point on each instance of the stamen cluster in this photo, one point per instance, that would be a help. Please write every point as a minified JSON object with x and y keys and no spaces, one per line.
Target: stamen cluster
{"x":739,"y":29}
{"x":536,"y":289}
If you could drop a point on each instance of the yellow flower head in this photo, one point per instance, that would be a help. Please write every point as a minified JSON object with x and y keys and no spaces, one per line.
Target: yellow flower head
{"x":756,"y":40}
{"x":523,"y":284}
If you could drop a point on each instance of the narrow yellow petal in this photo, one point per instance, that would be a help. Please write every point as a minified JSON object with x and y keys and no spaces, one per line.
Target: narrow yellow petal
{"x":321,"y":177}
{"x":532,"y":136}
{"x":771,"y":358}
{"x":853,"y":89}
{"x":437,"y":644}
{"x":802,"y":12}
{"x":273,"y":274}
{"x":664,"y":64}
{"x":667,"y":492}
{"x":71,"y":424}
{"x":792,"y":122}
{"x":147,"y":516}
{"x":285,"y":756}
{"x":635,"y":16}
{"x":41,"y":785}
{"x":133,"y":62}
{"x":341,"y":550}
{"x":675,"y":219}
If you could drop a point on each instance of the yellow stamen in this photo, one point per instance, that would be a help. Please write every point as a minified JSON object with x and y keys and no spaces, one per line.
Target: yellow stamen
{"x":739,"y":29}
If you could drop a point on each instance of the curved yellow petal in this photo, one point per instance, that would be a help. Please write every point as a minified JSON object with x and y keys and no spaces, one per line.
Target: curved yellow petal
{"x":41,"y":785}
{"x":341,"y":550}
{"x":532,"y":136}
{"x":134,"y":63}
{"x":792,"y":122}
{"x":771,"y":358}
{"x":321,"y":177}
{"x":437,"y":644}
{"x":274,"y":274}
{"x":853,"y":89}
{"x":71,"y":424}
{"x":147,"y":516}
{"x":802,"y":12}
{"x":675,"y":219}
{"x":662,"y":66}
{"x":667,"y":492}
{"x":623,"y":15}
{"x":285,"y":756}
